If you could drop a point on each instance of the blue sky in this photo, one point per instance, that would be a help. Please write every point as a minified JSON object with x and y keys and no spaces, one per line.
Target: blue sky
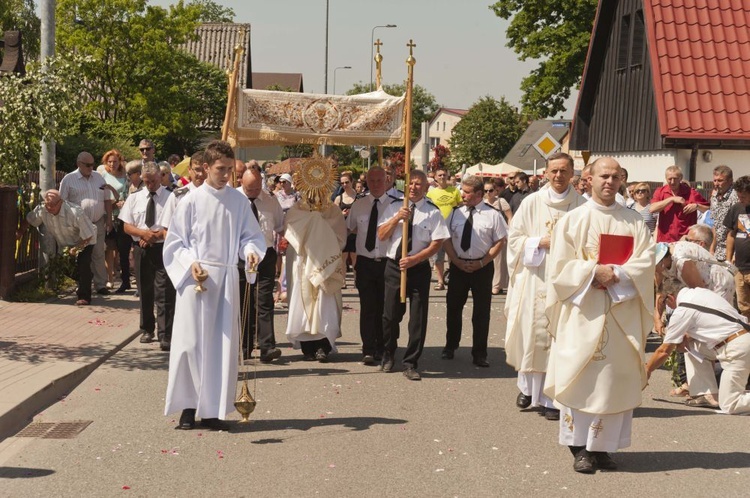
{"x":461,"y":53}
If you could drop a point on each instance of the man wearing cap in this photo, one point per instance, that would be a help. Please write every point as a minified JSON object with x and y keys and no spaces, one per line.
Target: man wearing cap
{"x":70,"y":227}
{"x":710,"y":329}
{"x":88,"y":189}
{"x":600,"y":315}
{"x":478,"y":233}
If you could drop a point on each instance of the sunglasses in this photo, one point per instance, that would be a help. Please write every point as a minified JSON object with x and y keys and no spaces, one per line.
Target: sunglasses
{"x":144,"y":149}
{"x":488,"y":191}
{"x":88,"y":165}
{"x":641,"y":192}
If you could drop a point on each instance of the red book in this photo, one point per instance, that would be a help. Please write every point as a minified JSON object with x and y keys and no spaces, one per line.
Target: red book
{"x":615,"y":249}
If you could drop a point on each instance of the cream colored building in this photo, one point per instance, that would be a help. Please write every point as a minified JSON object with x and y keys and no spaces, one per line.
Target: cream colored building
{"x":440,"y":130}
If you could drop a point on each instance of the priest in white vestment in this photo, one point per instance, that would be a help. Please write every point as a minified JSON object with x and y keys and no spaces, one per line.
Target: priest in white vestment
{"x":527,"y":339}
{"x":316,"y":229}
{"x":600,"y":315}
{"x":210,"y":229}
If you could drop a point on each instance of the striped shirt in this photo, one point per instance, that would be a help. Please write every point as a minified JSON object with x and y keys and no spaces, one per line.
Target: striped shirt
{"x":88,"y":193}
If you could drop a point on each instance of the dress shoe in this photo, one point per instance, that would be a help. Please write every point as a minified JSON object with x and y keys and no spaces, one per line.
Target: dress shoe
{"x":447,"y":354}
{"x":147,"y":337}
{"x":268,"y":355}
{"x":411,"y":374}
{"x":122,"y":289}
{"x":523,"y":401}
{"x":164,"y":345}
{"x":103,"y":291}
{"x":387,"y":365}
{"x":187,"y":420}
{"x":481,"y":362}
{"x":552,"y":414}
{"x":214,"y":424}
{"x":604,"y":461}
{"x":584,"y":463}
{"x":308,"y":357}
{"x":321,"y":355}
{"x":378,"y":357}
{"x":368,"y":359}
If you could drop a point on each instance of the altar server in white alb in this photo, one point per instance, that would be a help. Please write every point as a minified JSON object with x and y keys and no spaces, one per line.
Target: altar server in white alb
{"x":210,"y":230}
{"x":600,"y":315}
{"x":527,"y":339}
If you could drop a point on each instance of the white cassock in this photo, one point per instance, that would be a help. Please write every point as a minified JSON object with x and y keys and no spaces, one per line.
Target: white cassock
{"x":596,"y":368}
{"x":315,"y":303}
{"x":527,"y":340}
{"x":215,"y":228}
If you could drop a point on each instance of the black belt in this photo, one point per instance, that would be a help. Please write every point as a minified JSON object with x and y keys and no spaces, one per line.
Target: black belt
{"x":473,"y":259}
{"x":374,"y":260}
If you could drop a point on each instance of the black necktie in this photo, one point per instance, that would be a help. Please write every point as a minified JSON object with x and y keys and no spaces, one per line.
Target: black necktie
{"x":255,"y":209}
{"x":372,"y":227}
{"x":151,"y":210}
{"x":466,"y":236}
{"x":409,"y":232}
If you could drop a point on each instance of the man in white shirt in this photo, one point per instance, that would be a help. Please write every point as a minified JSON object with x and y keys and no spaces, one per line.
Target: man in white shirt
{"x":86,"y":188}
{"x":140,"y":215}
{"x":478,"y":234}
{"x":711,"y":329}
{"x":365,"y":216}
{"x":427,"y":232}
{"x":267,"y":211}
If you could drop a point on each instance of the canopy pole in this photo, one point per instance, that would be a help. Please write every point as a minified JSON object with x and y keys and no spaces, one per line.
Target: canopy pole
{"x":407,"y":159}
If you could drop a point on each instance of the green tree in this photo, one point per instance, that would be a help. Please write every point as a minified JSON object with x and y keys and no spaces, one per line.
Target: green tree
{"x":556,"y":32}
{"x":39,"y":105}
{"x":139,"y":82}
{"x":424,"y":106}
{"x":212,"y":11}
{"x":20,"y":15}
{"x":486,"y":133}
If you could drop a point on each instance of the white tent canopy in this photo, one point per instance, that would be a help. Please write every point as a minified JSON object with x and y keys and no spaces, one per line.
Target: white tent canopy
{"x":492,"y":170}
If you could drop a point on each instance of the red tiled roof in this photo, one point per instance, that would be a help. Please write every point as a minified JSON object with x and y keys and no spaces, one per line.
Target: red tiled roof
{"x":459,"y":112}
{"x":700,"y":57}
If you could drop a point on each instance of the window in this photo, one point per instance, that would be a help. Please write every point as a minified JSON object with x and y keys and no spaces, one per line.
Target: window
{"x":624,"y":47}
{"x":639,"y":41}
{"x":434,"y":142}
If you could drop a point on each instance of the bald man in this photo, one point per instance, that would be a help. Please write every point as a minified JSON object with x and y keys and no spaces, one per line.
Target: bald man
{"x":270,"y":217}
{"x":87,"y":189}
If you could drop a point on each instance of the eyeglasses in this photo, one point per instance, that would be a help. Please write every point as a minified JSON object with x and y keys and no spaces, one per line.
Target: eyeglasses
{"x":488,"y":191}
{"x":640,"y":191}
{"x":144,"y":149}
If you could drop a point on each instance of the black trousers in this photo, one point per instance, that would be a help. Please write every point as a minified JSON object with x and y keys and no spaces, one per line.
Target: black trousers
{"x":84,"y":275}
{"x":264,"y":284}
{"x":480,"y":285}
{"x":124,"y":242}
{"x":370,"y":282}
{"x":155,"y":288}
{"x":418,"y":295}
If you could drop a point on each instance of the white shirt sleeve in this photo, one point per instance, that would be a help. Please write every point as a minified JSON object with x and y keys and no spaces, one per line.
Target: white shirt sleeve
{"x":533,"y":255}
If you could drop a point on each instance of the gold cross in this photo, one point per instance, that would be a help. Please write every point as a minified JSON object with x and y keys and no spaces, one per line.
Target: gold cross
{"x":411,"y":46}
{"x":378,"y":44}
{"x":597,"y":428}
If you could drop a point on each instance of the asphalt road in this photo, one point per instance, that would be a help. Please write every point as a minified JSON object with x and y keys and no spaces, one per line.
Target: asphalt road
{"x":345,"y":429}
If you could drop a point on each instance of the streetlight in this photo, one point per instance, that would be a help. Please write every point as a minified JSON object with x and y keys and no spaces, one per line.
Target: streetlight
{"x":372,"y":44}
{"x":334,"y":76}
{"x":325,"y":78}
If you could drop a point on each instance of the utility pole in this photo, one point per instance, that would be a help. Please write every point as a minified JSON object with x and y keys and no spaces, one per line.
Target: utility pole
{"x":47,"y":156}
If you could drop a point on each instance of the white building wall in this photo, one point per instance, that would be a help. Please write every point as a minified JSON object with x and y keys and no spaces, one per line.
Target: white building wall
{"x":440,"y":128}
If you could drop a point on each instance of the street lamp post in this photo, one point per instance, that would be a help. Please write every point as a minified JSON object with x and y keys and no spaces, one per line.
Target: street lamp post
{"x":325,"y":79}
{"x":334,"y":76}
{"x":372,"y":43}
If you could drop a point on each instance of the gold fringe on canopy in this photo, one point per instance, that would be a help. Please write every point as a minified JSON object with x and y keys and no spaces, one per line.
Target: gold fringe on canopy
{"x":268,"y":117}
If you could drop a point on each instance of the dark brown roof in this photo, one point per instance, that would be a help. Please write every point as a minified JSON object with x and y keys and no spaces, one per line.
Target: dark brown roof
{"x":523,"y":153}
{"x":293,"y":81}
{"x":216,"y":43}
{"x":700,"y":56}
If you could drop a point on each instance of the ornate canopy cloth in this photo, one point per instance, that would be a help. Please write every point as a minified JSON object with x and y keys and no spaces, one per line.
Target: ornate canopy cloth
{"x":268,"y":117}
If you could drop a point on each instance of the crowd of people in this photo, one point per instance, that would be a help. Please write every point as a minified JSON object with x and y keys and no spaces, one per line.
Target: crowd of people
{"x":591,"y":266}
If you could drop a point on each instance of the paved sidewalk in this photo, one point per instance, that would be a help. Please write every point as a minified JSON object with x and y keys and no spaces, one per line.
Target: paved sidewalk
{"x":47,"y":349}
